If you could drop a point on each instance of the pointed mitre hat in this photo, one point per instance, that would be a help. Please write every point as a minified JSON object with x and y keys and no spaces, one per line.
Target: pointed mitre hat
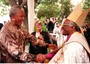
{"x":78,"y":15}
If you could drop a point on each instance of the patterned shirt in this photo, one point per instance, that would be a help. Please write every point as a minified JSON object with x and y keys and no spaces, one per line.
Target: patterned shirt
{"x":13,"y":39}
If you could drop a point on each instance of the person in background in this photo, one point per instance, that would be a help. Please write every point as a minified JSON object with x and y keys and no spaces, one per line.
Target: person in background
{"x":46,"y":23}
{"x":51,"y":25}
{"x":87,"y":32}
{"x":58,"y":34}
{"x":43,"y":38}
{"x":57,"y":29}
{"x":13,"y":38}
{"x":1,"y":25}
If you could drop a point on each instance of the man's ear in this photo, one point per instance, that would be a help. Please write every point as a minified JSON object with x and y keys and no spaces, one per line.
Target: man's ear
{"x":72,"y":27}
{"x":13,"y":18}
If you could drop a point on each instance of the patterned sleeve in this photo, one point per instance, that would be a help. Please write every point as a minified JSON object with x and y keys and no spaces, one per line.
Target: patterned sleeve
{"x":14,"y":47}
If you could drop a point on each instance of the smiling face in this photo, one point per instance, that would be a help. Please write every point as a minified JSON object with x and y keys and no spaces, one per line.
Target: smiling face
{"x":19,"y":17}
{"x":38,"y":25}
{"x":66,"y":28}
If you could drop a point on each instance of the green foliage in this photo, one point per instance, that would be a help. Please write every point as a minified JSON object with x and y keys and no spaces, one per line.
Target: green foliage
{"x":44,"y":26}
{"x":47,"y":1}
{"x":3,"y":9}
{"x":53,"y":8}
{"x":66,"y":8}
{"x":49,"y":10}
{"x":86,"y":4}
{"x":5,"y":2}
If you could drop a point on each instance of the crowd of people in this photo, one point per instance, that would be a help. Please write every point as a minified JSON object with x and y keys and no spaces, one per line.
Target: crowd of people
{"x":50,"y":23}
{"x":13,"y":36}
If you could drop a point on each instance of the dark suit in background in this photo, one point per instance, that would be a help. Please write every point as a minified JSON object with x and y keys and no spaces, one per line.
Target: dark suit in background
{"x":37,"y":49}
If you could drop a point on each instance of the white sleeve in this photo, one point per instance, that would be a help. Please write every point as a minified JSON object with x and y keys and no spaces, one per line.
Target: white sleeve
{"x":75,"y":53}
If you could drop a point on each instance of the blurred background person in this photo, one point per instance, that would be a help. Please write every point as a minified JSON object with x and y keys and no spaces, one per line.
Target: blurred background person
{"x":43,"y":38}
{"x":57,"y":33}
{"x":86,"y":32}
{"x":51,"y":25}
{"x":1,"y":25}
{"x":46,"y":23}
{"x":57,"y":29}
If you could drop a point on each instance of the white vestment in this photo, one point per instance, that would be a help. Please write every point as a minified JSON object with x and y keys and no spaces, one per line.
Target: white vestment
{"x":74,"y":51}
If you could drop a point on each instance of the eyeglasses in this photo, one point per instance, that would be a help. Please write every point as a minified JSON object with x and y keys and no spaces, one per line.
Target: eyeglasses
{"x":38,"y":25}
{"x":66,"y":25}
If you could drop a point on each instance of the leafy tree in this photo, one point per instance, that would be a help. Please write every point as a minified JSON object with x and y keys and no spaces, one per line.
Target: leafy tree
{"x":4,"y":2}
{"x":48,"y":11}
{"x":86,"y":5}
{"x":3,"y":9}
{"x":56,"y":8}
{"x":66,"y":8}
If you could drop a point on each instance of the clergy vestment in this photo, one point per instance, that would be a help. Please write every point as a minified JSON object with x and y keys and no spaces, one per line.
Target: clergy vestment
{"x":74,"y":51}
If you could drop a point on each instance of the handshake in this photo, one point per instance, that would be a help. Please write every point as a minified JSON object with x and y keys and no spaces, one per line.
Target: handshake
{"x":45,"y":58}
